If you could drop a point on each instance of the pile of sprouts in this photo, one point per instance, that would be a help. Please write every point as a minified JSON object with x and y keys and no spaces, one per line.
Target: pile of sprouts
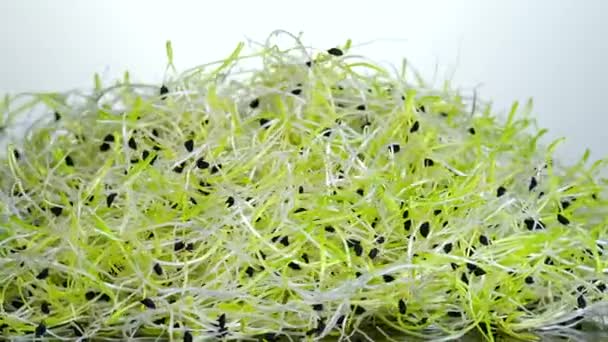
{"x":291,"y":194}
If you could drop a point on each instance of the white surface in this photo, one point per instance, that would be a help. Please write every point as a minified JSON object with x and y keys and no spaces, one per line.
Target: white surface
{"x":553,"y":51}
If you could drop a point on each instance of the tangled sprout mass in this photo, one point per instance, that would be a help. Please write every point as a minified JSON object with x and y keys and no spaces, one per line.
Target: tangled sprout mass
{"x":291,"y":194}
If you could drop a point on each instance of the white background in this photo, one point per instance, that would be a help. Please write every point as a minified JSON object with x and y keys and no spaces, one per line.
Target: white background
{"x":554,"y":51}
